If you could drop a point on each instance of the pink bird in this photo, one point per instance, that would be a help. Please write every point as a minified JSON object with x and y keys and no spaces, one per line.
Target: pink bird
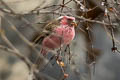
{"x":58,"y":33}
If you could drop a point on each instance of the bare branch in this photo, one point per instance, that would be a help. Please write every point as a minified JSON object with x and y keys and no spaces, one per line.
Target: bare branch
{"x":14,"y":51}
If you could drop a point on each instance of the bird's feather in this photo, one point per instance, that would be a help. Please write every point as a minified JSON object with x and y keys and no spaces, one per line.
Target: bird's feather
{"x":47,"y":30}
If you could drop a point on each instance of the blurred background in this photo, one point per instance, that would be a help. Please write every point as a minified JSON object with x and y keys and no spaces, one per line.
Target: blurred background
{"x":95,"y":48}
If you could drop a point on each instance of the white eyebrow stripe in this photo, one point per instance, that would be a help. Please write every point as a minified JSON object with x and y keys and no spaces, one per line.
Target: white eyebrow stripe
{"x":66,"y":17}
{"x":60,"y":17}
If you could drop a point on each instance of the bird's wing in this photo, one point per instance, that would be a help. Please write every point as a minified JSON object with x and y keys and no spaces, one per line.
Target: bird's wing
{"x":47,"y":30}
{"x":52,"y":25}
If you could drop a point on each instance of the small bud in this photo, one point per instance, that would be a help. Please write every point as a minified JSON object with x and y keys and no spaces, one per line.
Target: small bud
{"x":102,"y":3}
{"x":106,"y":12}
{"x":60,"y":63}
{"x":114,"y":49}
{"x":65,"y":75}
{"x":110,"y":9}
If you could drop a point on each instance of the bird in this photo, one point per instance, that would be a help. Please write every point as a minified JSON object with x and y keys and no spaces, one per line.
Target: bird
{"x":57,"y":33}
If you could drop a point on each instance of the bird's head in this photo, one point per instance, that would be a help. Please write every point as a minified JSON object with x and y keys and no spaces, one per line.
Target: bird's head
{"x":67,"y":20}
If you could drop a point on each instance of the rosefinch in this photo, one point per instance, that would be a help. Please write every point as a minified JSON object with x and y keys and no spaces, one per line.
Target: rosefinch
{"x":57,"y":33}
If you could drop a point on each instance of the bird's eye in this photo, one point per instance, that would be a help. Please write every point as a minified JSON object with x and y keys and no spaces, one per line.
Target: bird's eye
{"x":69,"y":20}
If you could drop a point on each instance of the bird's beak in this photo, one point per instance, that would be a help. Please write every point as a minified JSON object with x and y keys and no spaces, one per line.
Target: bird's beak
{"x":74,"y":24}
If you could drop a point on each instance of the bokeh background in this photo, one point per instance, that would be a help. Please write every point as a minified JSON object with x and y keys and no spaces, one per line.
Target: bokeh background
{"x":92,"y":57}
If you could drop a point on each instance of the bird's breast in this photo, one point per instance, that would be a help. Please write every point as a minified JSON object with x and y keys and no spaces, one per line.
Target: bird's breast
{"x":67,"y":34}
{"x":61,"y":36}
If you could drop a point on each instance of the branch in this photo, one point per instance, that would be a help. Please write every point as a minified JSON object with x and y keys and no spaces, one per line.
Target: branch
{"x":57,"y":13}
{"x":14,"y":50}
{"x":23,"y":38}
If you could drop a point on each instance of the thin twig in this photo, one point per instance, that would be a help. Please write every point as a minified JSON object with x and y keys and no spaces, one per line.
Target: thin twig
{"x":14,"y":51}
{"x":14,"y":13}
